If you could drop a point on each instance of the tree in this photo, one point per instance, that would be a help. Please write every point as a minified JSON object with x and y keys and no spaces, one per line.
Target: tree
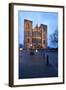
{"x":54,"y":38}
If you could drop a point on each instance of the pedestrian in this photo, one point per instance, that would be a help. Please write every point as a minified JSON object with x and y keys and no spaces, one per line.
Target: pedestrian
{"x":47,"y":59}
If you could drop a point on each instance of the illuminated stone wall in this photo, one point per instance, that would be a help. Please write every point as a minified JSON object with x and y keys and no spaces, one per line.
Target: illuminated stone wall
{"x":35,"y":38}
{"x":27,"y":33}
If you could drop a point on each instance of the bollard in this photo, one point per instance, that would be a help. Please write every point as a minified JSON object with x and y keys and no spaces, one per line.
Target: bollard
{"x":47,"y":63}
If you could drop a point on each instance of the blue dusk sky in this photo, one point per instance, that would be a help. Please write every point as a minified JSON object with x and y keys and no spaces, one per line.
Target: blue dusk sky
{"x":48,"y":18}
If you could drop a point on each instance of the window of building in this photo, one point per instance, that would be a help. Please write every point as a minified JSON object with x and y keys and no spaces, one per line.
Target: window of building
{"x":28,"y":40}
{"x":44,"y":41}
{"x":28,"y":26}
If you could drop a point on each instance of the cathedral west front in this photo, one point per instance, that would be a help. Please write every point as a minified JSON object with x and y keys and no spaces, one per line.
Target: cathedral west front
{"x":34,"y":38}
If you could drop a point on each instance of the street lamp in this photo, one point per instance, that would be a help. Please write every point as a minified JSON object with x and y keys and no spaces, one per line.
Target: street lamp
{"x":36,"y":50}
{"x":21,"y":49}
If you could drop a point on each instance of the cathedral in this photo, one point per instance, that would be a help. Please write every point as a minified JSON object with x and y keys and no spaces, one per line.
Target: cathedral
{"x":34,"y":38}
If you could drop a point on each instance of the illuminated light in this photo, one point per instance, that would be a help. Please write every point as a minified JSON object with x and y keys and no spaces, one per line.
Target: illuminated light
{"x":30,"y":44}
{"x":21,"y":49}
{"x":36,"y":50}
{"x":37,"y":37}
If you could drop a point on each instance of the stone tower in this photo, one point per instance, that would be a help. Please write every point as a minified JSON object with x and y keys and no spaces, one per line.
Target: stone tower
{"x":44,"y":35}
{"x":27,"y":34}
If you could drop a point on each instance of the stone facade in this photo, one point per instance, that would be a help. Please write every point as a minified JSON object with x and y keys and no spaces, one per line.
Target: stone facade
{"x":34,"y":38}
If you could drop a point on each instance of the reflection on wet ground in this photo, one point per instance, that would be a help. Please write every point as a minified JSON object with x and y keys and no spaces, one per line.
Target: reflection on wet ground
{"x":40,"y":64}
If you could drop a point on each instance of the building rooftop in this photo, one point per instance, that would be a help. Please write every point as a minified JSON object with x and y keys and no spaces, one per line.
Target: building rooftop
{"x":27,"y":20}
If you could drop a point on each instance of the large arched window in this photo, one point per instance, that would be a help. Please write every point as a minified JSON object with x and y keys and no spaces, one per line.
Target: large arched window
{"x":27,"y":26}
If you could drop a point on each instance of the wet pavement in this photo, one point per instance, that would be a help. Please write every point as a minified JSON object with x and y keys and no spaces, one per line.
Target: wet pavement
{"x":38,"y":65}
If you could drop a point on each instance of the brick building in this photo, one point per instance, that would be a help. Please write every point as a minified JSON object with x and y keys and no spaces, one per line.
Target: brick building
{"x":36,"y":37}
